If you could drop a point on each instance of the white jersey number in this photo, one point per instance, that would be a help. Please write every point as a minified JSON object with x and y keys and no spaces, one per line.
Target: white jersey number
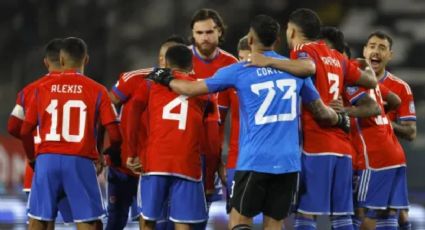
{"x":289,"y":94}
{"x":180,"y":117}
{"x":334,"y":83}
{"x":376,"y":95}
{"x":66,"y":113}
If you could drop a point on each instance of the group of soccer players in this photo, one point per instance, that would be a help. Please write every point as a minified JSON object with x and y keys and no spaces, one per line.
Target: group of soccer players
{"x":310,"y":129}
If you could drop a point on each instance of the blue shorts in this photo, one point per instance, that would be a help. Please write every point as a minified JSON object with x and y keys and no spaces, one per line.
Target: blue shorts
{"x":383,"y":189}
{"x":57,"y":176}
{"x":65,"y":214}
{"x":325,"y":185}
{"x":122,"y":197}
{"x":185,"y":199}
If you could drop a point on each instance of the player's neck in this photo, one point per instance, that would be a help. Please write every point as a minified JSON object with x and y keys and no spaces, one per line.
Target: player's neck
{"x":260,"y":48}
{"x":207,"y":56}
{"x":73,"y":68}
{"x":380,"y":74}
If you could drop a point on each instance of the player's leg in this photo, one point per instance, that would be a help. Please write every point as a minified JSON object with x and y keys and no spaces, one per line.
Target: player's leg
{"x":154,"y":195}
{"x":187,"y":203}
{"x":278,"y":201}
{"x":121,"y":190}
{"x":248,"y":196}
{"x":46,"y":189}
{"x":315,"y":190}
{"x":342,"y":195}
{"x":359,"y":212}
{"x":403,"y":220}
{"x":82,"y":190}
{"x":399,"y":198}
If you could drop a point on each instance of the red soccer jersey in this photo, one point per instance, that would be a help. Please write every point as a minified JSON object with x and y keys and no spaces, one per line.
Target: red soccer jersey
{"x":67,"y":109}
{"x":333,"y":70}
{"x":406,"y":111}
{"x":22,"y":102}
{"x":125,"y":89}
{"x":229,"y":100}
{"x":175,"y":123}
{"x":373,"y":138}
{"x":207,"y":68}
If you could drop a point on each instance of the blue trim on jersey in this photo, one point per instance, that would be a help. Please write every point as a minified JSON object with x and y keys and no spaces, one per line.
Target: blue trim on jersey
{"x":119,"y":93}
{"x":206,"y":61}
{"x":412,"y":118}
{"x":357,"y":98}
{"x":385,"y":77}
{"x":21,"y":98}
{"x":38,"y":114}
{"x":96,"y":113}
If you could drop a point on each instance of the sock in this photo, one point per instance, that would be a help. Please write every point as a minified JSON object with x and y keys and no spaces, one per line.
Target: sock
{"x":405,"y":226}
{"x":302,"y":223}
{"x":342,"y":223}
{"x":388,"y":223}
{"x":356,"y":223}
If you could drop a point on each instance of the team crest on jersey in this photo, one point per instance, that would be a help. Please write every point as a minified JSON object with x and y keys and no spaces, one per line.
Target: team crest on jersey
{"x":302,"y":55}
{"x":412,"y":107}
{"x":351,"y":90}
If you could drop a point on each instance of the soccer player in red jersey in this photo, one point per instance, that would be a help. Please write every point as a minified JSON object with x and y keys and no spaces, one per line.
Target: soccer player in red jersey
{"x":122,"y":182}
{"x":403,"y":121}
{"x":326,"y":171}
{"x":51,"y":61}
{"x":67,"y":109}
{"x":171,"y":174}
{"x":207,"y":33}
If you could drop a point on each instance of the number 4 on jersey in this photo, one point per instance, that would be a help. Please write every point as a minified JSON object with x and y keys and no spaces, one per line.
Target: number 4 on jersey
{"x":180,"y":117}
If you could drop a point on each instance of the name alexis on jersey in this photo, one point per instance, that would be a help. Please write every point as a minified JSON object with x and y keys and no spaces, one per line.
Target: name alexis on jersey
{"x":67,"y":89}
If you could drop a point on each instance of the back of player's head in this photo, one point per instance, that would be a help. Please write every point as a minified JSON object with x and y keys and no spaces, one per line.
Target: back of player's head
{"x":175,"y":39}
{"x":179,"y":56}
{"x":52,"y":50}
{"x":76,"y":50}
{"x":205,"y":14}
{"x":243,"y":44}
{"x":334,"y":36}
{"x":266,"y":28}
{"x":347,"y":50}
{"x":308,"y":21}
{"x":381,"y":35}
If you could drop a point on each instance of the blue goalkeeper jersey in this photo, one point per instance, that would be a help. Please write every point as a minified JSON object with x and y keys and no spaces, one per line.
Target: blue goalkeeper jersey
{"x":269,"y":136}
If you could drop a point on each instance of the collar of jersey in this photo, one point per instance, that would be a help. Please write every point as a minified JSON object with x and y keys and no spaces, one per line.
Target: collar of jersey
{"x":384,"y":77}
{"x":195,"y":52}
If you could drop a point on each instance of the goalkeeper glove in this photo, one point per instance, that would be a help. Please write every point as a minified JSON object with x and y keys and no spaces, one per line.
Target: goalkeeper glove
{"x":343,"y":122}
{"x":162,"y":76}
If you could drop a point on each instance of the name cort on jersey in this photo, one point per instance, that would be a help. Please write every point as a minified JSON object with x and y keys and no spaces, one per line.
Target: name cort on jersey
{"x":331,"y":61}
{"x":66,"y":89}
{"x":264,"y":71}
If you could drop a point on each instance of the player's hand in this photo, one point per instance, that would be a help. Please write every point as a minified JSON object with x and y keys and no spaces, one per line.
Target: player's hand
{"x":162,"y":76}
{"x":99,"y":164}
{"x":343,"y":122}
{"x":114,"y":154}
{"x":257,"y":59}
{"x":337,"y":105}
{"x":133,"y":163}
{"x":363,"y":63}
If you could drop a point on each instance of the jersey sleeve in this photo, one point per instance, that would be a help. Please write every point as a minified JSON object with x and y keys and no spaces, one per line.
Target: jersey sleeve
{"x":141,"y":95}
{"x":224,"y":78}
{"x":351,"y":71}
{"x":31,"y":113}
{"x":354,"y":93}
{"x":125,"y":86}
{"x":18,"y":111}
{"x":384,"y":91}
{"x":309,"y":92}
{"x":406,"y":111}
{"x":106,"y":109}
{"x":224,"y":99}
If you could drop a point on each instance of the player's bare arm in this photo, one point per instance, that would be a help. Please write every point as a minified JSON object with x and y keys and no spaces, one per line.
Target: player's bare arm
{"x":392,"y":102}
{"x":189,"y":88}
{"x":322,"y":113}
{"x":405,"y":129}
{"x":299,"y":67}
{"x":364,"y":107}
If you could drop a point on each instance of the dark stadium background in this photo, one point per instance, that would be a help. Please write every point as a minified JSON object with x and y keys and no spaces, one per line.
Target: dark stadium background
{"x":124,"y":35}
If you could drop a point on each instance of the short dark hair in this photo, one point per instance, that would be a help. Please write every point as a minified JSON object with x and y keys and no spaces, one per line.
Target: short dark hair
{"x":266,"y":28}
{"x":175,"y":39}
{"x":52,"y":50}
{"x":381,"y":35}
{"x":205,"y":14}
{"x":347,"y":50}
{"x":308,"y":21}
{"x":76,"y":48}
{"x":243,"y":43}
{"x":179,"y":56}
{"x":334,"y":36}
